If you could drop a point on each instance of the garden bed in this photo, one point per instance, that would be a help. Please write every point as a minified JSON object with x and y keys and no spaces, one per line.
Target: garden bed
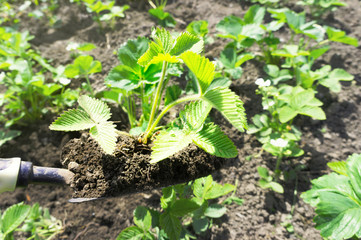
{"x":263,"y":211}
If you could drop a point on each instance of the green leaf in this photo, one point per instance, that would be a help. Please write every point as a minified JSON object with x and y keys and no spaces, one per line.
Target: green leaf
{"x":201,"y":186}
{"x":122,"y":77}
{"x":212,"y":140}
{"x":105,"y":134}
{"x":276,"y":187}
{"x":164,"y":39}
{"x":131,"y":233}
{"x":200,"y":224}
{"x":272,"y":185}
{"x":168,"y":197}
{"x":153,"y":50}
{"x":337,"y":35}
{"x":168,"y":143}
{"x":338,"y":216}
{"x":332,"y":81}
{"x":83,"y":66}
{"x":286,"y":114}
{"x":187,"y":42}
{"x":72,"y":120}
{"x":13,"y":217}
{"x":97,"y":110}
{"x":182,"y":207}
{"x":93,"y":114}
{"x":165,"y":19}
{"x":255,"y":14}
{"x":313,"y":112}
{"x":231,"y":199}
{"x":300,"y":101}
{"x":201,"y":67}
{"x":337,"y":201}
{"x":263,"y":173}
{"x":353,"y":166}
{"x":339,"y":167}
{"x":194,"y":114}
{"x":131,"y":51}
{"x":171,"y":225}
{"x":215,"y":211}
{"x":7,"y":135}
{"x":217,"y":190}
{"x":142,"y":218}
{"x":229,"y":104}
{"x":231,"y":25}
{"x":86,"y":47}
{"x":198,"y":28}
{"x":172,"y":93}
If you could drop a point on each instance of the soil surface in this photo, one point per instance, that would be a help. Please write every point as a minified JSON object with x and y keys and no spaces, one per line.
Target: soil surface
{"x":129,"y":170}
{"x":263,"y":211}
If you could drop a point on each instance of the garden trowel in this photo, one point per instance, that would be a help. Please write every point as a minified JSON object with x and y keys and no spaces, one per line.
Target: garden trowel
{"x":16,"y":173}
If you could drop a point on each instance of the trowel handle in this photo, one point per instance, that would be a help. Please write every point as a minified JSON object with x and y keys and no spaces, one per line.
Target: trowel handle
{"x":16,"y":173}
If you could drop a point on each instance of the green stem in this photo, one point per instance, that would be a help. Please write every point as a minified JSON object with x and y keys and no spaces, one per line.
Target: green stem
{"x":164,"y":111}
{"x":278,"y":163}
{"x":89,"y":86}
{"x":157,"y":97}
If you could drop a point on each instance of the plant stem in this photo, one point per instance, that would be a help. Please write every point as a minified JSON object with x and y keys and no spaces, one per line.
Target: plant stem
{"x":164,"y":111}
{"x":89,"y":86}
{"x":277,"y":172}
{"x":157,"y":97}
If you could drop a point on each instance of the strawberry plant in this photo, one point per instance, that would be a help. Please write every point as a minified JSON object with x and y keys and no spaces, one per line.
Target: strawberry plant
{"x":28,"y":94}
{"x":83,"y":67}
{"x":291,"y":87}
{"x":186,"y":209}
{"x":165,"y":50}
{"x":320,"y":7}
{"x":200,"y":29}
{"x":30,"y":219}
{"x":77,"y":49}
{"x":165,"y":19}
{"x":105,"y":11}
{"x":337,"y":200}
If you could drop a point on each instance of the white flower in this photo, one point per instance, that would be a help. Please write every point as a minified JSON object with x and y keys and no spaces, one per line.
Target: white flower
{"x":269,"y":104}
{"x":279,"y":142}
{"x":72,"y":46}
{"x":262,"y":83}
{"x":64,"y":80}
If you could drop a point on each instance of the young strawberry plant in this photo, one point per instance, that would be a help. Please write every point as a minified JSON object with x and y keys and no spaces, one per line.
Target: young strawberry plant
{"x":30,"y":219}
{"x":105,"y":11}
{"x":29,"y":95}
{"x":166,"y":49}
{"x":320,"y":7}
{"x":337,"y":199}
{"x":200,"y":29}
{"x":82,"y":67}
{"x":186,"y":212}
{"x":165,"y":19}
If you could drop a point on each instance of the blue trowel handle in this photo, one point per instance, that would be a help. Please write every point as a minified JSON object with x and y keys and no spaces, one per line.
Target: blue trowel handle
{"x":16,"y":173}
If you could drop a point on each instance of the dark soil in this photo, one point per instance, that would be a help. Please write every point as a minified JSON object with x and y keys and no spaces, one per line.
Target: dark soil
{"x":129,"y":170}
{"x":263,"y":211}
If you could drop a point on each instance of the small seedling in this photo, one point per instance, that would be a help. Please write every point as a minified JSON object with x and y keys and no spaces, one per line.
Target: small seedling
{"x":34,"y":220}
{"x":186,"y":208}
{"x":165,"y":19}
{"x":83,"y":67}
{"x":267,"y":181}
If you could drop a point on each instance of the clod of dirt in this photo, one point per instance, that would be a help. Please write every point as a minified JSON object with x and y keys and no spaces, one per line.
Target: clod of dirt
{"x":128,"y":170}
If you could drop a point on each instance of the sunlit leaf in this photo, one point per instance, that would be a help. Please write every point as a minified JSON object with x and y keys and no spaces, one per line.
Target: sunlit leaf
{"x":229,"y":104}
{"x":212,"y":140}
